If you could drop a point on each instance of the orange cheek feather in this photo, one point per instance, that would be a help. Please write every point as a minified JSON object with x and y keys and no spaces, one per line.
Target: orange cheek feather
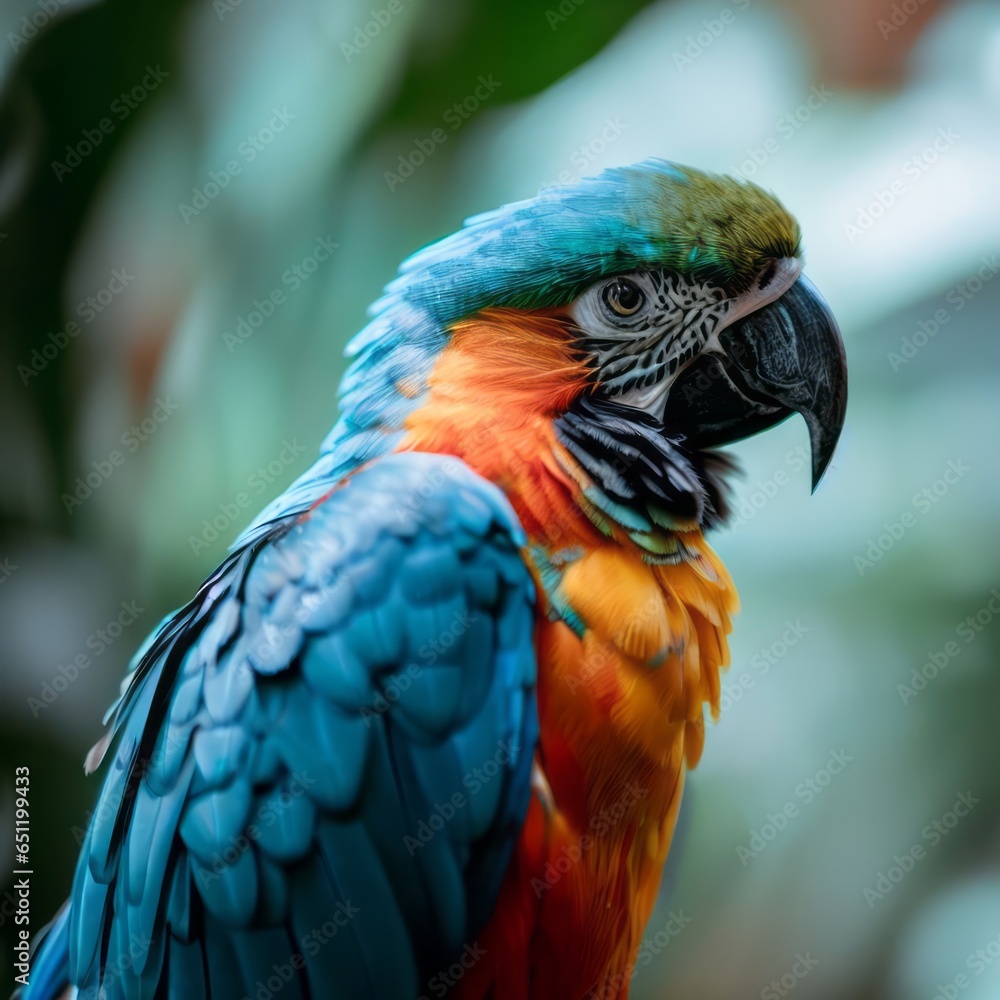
{"x":491,"y":399}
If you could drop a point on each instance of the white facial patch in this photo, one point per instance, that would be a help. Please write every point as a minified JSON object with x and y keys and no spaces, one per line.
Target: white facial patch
{"x":635,"y":353}
{"x":639,"y":355}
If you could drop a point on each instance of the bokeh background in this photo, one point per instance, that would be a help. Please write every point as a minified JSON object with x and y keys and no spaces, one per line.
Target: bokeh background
{"x":163,"y":166}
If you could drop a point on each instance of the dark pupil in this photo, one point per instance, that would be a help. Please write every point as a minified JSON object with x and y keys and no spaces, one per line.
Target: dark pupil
{"x":624,"y":296}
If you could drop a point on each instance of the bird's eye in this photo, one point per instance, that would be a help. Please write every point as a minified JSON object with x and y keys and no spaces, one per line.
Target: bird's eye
{"x":623,"y":297}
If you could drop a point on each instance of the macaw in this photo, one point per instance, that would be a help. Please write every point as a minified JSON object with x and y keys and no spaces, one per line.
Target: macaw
{"x":425,"y":730}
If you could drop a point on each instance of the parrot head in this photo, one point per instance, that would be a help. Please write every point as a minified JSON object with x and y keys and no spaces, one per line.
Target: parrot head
{"x":673,"y":318}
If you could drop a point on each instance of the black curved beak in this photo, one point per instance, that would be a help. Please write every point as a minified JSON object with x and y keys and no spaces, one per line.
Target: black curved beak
{"x":787,"y":357}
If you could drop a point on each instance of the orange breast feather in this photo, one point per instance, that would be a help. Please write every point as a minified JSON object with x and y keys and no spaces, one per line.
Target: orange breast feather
{"x":621,"y":710}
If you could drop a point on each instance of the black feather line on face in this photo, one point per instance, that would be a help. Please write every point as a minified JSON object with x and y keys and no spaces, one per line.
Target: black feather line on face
{"x":637,"y":463}
{"x":635,"y":352}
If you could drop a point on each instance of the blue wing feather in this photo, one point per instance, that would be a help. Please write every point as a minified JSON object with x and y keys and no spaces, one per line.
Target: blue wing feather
{"x":298,"y":750}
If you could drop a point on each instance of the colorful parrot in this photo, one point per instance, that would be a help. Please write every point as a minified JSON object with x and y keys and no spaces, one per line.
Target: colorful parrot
{"x":425,"y":730}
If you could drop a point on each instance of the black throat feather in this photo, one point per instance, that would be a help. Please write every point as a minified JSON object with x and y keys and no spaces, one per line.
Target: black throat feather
{"x":646,"y":478}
